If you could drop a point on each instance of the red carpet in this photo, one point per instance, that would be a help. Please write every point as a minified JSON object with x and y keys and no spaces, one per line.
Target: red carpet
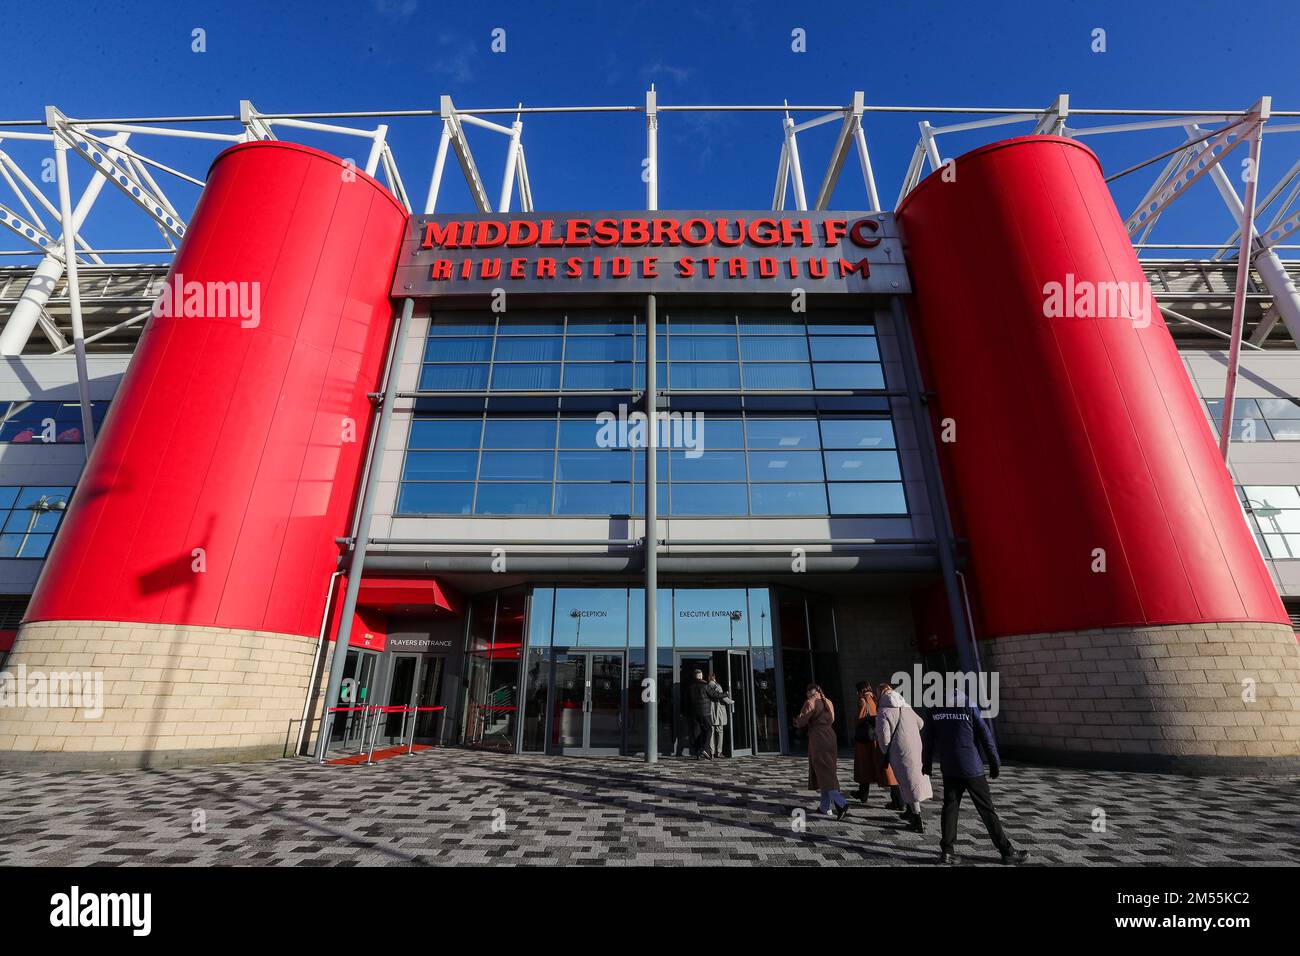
{"x":379,"y":755}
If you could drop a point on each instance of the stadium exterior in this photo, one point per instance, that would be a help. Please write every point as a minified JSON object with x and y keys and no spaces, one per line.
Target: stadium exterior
{"x":977,"y":432}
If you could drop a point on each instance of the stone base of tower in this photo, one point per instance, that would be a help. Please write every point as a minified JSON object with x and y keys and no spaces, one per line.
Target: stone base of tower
{"x":1194,"y":698}
{"x":150,"y":695}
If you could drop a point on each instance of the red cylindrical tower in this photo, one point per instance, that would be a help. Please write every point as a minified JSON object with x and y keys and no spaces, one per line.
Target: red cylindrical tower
{"x":1100,"y":517}
{"x":230,"y":459}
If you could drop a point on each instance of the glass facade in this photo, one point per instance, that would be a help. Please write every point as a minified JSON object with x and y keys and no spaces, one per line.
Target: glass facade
{"x":31,"y":515}
{"x":51,"y":423}
{"x":1258,"y":419}
{"x":1274,"y":515}
{"x":576,"y":684}
{"x":824,"y":446}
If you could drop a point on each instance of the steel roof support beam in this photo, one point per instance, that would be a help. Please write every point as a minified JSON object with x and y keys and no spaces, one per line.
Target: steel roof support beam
{"x":477,"y":191}
{"x":1247,"y":219}
{"x":26,"y":315}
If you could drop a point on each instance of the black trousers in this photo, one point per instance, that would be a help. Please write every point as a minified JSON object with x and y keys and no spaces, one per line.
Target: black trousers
{"x":703,"y":733}
{"x":978,"y":787}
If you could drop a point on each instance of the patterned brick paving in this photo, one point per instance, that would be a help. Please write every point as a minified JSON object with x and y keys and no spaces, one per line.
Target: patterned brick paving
{"x":459,"y":807}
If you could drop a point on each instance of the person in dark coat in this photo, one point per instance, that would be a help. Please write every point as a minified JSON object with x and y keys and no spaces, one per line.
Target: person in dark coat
{"x":699,"y":701}
{"x":964,"y":743}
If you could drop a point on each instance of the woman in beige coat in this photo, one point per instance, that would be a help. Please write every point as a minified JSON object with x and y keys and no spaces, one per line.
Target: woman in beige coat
{"x":818,"y":716}
{"x":898,"y":735}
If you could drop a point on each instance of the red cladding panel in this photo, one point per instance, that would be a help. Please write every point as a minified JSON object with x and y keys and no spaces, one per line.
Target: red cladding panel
{"x":1073,"y":433}
{"x":227,"y":433}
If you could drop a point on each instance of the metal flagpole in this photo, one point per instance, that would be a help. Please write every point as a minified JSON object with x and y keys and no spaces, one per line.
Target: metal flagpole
{"x":651,"y":459}
{"x":359,"y":543}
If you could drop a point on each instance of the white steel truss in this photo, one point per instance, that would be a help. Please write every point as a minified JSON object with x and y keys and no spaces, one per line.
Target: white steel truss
{"x":41,"y":218}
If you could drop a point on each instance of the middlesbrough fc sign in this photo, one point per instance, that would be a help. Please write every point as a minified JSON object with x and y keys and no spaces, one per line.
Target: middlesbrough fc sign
{"x":644,"y":252}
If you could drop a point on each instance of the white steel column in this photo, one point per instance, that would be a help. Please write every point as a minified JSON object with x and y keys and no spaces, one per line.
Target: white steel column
{"x":512,"y":160}
{"x":1239,"y":300}
{"x":431,"y":199}
{"x":796,"y":172}
{"x":74,"y":292}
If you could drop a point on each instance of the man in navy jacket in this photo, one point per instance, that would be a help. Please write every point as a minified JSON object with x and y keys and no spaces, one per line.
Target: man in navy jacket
{"x":964,"y":744}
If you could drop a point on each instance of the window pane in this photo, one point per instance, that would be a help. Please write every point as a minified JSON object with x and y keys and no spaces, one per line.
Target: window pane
{"x":598,"y":465}
{"x":1279,"y":407}
{"x":857,"y":433}
{"x":774,"y":348}
{"x":788,"y":499}
{"x":661,"y":347}
{"x":712,"y":433}
{"x":435,"y":499}
{"x":782,"y":432}
{"x":519,"y":433}
{"x":595,"y":617}
{"x":612,"y":375}
{"x":440,"y":466}
{"x":586,"y":433}
{"x":445,"y":433}
{"x":529,"y":349}
{"x":827,"y":348}
{"x":32,"y":519}
{"x":35,"y":545}
{"x":711,"y":466}
{"x":702,"y":348}
{"x":534,"y":325}
{"x":708,"y":499}
{"x":638,"y":498}
{"x":1273,"y":496}
{"x":770,"y":325}
{"x":462,"y":325}
{"x":701,"y":324}
{"x":862,"y":465}
{"x":867,"y":499}
{"x":704,"y":376}
{"x":638,"y":466}
{"x":830,"y":327}
{"x":785,"y":466}
{"x":1284,"y":429}
{"x":593,"y":498}
{"x":43,"y":494}
{"x":608,"y":348}
{"x":580,"y":323}
{"x":453,"y":378}
{"x":638,"y":374}
{"x":525,"y":376}
{"x":517,"y":465}
{"x":766,"y":375}
{"x":502,"y":499}
{"x":846,"y":375}
{"x":458,"y":350}
{"x":711,"y":617}
{"x":8,"y":495}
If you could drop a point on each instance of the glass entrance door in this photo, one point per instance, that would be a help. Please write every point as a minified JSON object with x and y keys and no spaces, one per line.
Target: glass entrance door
{"x":742,"y":711}
{"x":732,"y":670}
{"x":355,"y":691}
{"x":401,"y":693}
{"x":587,"y":715}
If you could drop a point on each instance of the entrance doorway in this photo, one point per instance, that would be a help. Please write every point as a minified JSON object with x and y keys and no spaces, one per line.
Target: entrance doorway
{"x":587,"y":713}
{"x":356,"y":691}
{"x":733,"y":672}
{"x":414,"y":681}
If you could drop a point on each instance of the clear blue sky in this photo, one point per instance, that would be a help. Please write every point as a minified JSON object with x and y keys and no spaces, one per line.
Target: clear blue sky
{"x":119,"y":59}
